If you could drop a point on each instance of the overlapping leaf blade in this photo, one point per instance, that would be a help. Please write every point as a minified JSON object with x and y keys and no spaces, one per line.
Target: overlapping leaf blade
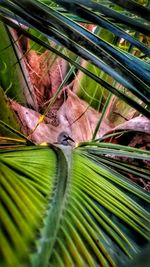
{"x":133,"y":79}
{"x":134,"y":7}
{"x":85,"y":213}
{"x":25,"y":183}
{"x":118,"y":17}
{"x":74,"y":204}
{"x":13,"y":73}
{"x":102,"y":22}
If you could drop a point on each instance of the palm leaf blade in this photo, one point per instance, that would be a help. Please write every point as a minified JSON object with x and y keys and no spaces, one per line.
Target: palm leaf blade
{"x":89,"y":218}
{"x":23,"y":199}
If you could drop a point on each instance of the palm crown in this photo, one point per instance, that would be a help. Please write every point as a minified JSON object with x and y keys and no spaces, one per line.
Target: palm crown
{"x":64,"y":205}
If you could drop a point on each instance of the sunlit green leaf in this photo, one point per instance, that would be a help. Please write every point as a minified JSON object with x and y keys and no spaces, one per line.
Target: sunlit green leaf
{"x":65,"y":208}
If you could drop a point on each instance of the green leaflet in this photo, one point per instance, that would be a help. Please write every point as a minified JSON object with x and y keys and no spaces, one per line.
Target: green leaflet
{"x":124,"y":97}
{"x":34,"y":46}
{"x":99,"y":52}
{"x":97,"y":97}
{"x":13,"y":73}
{"x":135,"y":8}
{"x":7,"y":115}
{"x":77,"y":212}
{"x":25,"y":183}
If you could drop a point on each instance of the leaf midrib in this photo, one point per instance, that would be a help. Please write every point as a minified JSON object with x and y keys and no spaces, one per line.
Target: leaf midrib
{"x":54,"y":213}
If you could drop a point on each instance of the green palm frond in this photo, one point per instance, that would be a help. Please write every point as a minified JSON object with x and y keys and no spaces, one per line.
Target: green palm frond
{"x":26,"y":182}
{"x":59,"y":207}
